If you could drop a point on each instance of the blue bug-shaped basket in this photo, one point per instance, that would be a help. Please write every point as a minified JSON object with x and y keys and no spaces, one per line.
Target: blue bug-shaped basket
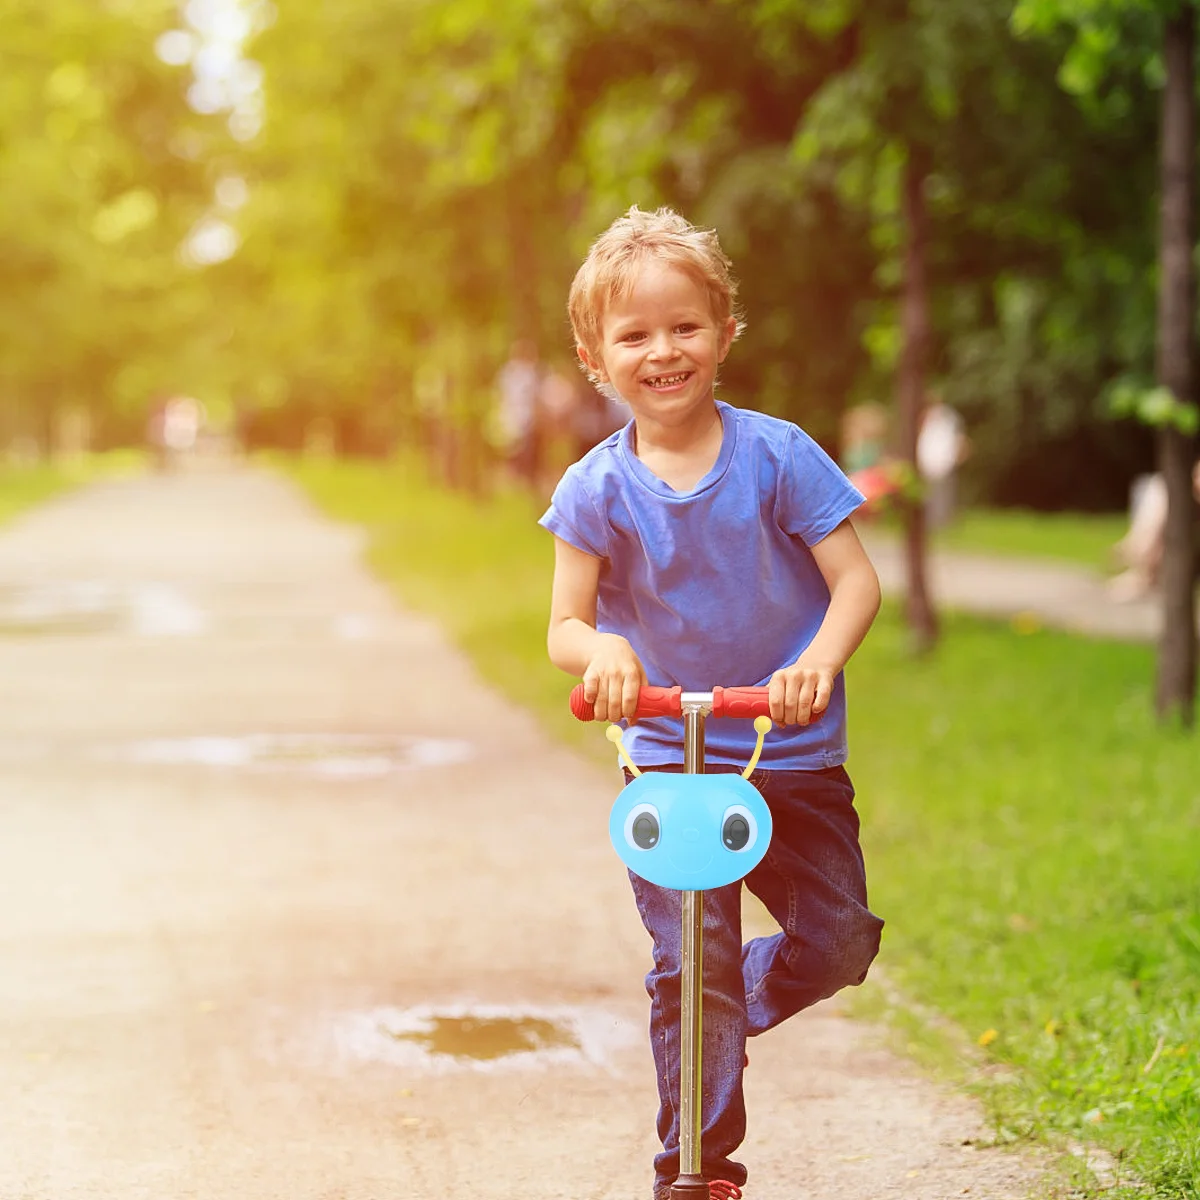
{"x":690,"y":832}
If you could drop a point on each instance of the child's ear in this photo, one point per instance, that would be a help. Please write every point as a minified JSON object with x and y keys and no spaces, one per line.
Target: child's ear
{"x":728,"y":333}
{"x":594,"y":366}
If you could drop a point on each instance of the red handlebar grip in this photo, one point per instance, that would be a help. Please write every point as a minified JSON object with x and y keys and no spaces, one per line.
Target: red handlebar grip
{"x":660,"y":702}
{"x":652,"y":702}
{"x":581,"y":709}
{"x":741,"y":702}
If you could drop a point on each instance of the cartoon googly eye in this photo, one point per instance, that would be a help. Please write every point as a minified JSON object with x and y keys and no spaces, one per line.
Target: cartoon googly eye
{"x":739,"y":830}
{"x":642,"y":828}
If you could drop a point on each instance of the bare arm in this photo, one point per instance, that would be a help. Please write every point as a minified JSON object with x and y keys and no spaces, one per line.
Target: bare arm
{"x":802,"y":691}
{"x":612,"y":673}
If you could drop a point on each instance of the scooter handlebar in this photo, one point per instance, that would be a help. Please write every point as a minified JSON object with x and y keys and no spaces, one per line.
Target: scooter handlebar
{"x":652,"y":702}
{"x":741,"y":702}
{"x":668,"y":702}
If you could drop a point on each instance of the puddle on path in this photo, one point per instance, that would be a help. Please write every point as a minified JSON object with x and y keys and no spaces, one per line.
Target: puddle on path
{"x":487,"y":1038}
{"x":328,"y":755}
{"x":484,"y":1037}
{"x":94,"y":606}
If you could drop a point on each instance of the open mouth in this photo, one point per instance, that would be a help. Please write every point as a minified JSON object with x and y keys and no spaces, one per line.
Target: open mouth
{"x":668,"y":381}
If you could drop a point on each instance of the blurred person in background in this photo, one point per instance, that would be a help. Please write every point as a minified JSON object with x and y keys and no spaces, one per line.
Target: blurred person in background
{"x":182,"y":422}
{"x":866,"y":459}
{"x":942,"y":447}
{"x":559,"y":401}
{"x":601,"y":412}
{"x":1140,"y":551}
{"x":573,"y":417}
{"x":518,"y":386}
{"x":154,"y":433}
{"x":173,"y":430}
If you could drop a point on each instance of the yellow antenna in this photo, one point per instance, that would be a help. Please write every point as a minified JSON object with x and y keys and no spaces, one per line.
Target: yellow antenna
{"x":613,"y":733}
{"x":762,"y":726}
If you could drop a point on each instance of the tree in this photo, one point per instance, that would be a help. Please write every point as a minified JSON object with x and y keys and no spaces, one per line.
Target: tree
{"x":429,"y":175}
{"x":100,"y":161}
{"x":881,"y":124}
{"x":1176,"y":686}
{"x":1159,"y":35}
{"x":910,"y":387}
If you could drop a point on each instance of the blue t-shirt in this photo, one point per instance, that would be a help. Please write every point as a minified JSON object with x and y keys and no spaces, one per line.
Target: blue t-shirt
{"x":716,"y":585}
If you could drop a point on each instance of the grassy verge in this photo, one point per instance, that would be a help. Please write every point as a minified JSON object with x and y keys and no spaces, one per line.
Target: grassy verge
{"x":1074,"y":537}
{"x":1031,"y":835}
{"x":1083,"y":538}
{"x":22,"y":487}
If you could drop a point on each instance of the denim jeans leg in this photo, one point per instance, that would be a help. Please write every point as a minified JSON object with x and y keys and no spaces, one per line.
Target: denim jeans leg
{"x":723,"y":1110}
{"x":813,"y":882}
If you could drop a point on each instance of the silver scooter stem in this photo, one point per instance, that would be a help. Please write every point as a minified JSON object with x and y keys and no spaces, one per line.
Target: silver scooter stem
{"x":692,"y":965}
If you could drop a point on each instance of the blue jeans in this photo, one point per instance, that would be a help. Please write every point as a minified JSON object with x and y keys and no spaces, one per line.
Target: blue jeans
{"x":812,"y":881}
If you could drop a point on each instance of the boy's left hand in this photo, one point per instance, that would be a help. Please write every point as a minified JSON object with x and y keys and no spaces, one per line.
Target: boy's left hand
{"x":800,"y":693}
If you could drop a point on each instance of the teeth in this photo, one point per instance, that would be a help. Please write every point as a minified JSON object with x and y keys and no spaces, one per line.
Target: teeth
{"x":667,"y":380}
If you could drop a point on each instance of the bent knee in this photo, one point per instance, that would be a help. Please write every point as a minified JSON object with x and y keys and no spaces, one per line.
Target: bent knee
{"x":857,"y":964}
{"x":844,"y":960}
{"x":860,"y":950}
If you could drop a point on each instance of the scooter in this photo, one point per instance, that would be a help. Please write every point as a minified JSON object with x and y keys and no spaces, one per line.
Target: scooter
{"x":690,"y":832}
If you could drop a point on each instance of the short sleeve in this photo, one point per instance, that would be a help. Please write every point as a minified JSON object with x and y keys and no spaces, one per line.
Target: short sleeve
{"x":813,"y":495}
{"x":574,"y":517}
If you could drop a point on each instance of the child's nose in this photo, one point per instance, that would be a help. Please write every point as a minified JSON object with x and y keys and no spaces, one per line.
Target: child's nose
{"x":662,"y":345}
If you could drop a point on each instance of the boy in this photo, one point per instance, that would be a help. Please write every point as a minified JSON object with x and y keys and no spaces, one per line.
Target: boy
{"x":700,"y":545}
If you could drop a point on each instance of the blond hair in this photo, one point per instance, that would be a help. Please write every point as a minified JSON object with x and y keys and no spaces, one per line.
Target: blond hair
{"x":617,"y":255}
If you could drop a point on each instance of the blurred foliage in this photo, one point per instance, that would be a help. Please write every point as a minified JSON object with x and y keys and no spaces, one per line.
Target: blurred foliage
{"x":103,"y":167}
{"x":428,"y":173}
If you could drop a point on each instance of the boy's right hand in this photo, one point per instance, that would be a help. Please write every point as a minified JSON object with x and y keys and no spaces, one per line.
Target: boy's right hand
{"x":613,"y":679}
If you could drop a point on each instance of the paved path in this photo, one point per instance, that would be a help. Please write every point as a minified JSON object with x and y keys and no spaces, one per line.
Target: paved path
{"x":1062,"y":595}
{"x":225,"y":976}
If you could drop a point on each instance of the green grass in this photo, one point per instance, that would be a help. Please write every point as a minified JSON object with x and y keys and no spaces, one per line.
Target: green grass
{"x":1032,"y":837}
{"x":1083,"y":538}
{"x":22,"y":487}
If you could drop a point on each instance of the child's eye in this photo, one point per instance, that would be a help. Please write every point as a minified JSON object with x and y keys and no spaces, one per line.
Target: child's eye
{"x":687,"y":327}
{"x":635,"y":336}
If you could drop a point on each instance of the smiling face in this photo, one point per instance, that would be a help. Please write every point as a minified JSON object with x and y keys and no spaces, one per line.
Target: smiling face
{"x":660,"y":346}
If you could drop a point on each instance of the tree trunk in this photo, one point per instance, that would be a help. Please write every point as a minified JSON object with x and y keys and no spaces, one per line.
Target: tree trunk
{"x":523,"y":264}
{"x":914,"y":322}
{"x":1176,"y":684}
